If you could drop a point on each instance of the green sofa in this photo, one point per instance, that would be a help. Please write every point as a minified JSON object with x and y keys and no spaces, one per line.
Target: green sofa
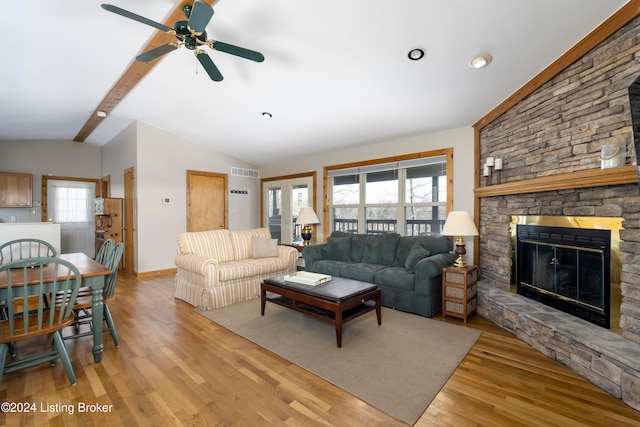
{"x":408,"y":269}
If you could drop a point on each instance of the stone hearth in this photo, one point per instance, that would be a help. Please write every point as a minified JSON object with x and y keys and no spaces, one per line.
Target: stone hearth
{"x":602,"y":357}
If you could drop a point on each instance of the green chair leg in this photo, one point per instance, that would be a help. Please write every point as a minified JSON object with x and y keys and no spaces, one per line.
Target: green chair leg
{"x":64,"y":357}
{"x":3,"y":358}
{"x":111,"y":326}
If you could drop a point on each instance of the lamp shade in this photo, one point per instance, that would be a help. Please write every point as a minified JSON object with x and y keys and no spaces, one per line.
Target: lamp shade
{"x":459,"y":223}
{"x":307,"y":216}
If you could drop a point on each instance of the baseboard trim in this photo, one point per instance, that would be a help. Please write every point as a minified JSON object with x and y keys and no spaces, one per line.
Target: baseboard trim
{"x":156,"y":273}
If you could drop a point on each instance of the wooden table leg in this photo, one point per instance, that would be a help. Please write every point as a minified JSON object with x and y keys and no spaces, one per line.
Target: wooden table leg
{"x":379,"y":307}
{"x":338,"y":321}
{"x":263,"y":300}
{"x":97,"y":313}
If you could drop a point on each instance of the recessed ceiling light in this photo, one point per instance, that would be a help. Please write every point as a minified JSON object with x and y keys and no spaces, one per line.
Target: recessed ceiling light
{"x":480,"y":61}
{"x":267,"y":114}
{"x":101,"y":113}
{"x":416,"y":54}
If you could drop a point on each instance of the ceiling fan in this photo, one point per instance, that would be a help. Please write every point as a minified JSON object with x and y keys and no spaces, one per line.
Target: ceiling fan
{"x":192,"y":35}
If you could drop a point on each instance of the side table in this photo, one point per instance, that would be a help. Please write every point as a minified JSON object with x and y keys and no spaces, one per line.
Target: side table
{"x":459,"y":291}
{"x":300,"y":262}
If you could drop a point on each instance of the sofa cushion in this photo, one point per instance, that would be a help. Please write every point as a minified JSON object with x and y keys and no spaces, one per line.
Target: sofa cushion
{"x":339,"y":248}
{"x":242,"y":241}
{"x":381,"y":249}
{"x":416,"y":253}
{"x":358,"y":243}
{"x":360,"y":271}
{"x":330,"y":267}
{"x":263,"y":247}
{"x":395,"y":277}
{"x":435,"y":243}
{"x":214,"y":244}
{"x":233,"y":270}
{"x":404,"y":247}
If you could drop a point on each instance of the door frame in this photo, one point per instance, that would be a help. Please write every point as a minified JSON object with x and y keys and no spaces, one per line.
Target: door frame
{"x":129,"y":226}
{"x":312,"y":196}
{"x":105,"y":187}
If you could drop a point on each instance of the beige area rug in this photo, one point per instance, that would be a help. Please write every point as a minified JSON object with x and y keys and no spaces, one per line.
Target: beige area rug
{"x":398,"y":367}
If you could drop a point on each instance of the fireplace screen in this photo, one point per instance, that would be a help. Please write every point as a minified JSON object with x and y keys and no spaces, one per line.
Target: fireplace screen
{"x":567,"y":269}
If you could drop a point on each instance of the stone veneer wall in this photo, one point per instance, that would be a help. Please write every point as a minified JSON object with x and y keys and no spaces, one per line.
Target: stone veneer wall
{"x":559,"y":129}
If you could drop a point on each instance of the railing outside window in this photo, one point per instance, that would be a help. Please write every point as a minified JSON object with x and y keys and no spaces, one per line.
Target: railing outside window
{"x":415,"y":227}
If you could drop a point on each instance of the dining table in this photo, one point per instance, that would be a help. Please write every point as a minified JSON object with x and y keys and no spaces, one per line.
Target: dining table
{"x":93,"y":275}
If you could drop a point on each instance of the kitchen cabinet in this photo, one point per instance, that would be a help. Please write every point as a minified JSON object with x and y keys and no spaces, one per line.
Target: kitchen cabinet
{"x":16,"y":190}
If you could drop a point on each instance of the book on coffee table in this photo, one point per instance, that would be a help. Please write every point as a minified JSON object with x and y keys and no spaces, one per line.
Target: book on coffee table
{"x":307,"y":278}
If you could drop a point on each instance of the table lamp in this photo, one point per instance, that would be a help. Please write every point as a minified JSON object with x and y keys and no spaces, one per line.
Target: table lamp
{"x":306,"y":217}
{"x":459,"y":223}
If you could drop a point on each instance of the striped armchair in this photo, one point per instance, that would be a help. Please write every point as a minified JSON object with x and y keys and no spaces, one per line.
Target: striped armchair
{"x":220,"y":267}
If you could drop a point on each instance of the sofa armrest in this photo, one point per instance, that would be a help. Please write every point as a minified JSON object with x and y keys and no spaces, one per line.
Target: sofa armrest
{"x":195,"y":263}
{"x":429,"y":268}
{"x":291,"y":254}
{"x":312,"y":254}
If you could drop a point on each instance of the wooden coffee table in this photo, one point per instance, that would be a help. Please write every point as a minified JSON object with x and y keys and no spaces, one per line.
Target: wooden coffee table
{"x":337,"y":301}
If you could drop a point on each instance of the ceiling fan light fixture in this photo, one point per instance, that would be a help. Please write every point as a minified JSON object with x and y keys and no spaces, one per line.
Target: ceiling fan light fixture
{"x":416,"y":54}
{"x":267,"y":114}
{"x":101,"y":113}
{"x":480,"y":61}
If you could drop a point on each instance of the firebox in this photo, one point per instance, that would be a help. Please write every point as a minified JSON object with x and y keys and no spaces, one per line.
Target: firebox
{"x":562,"y":240}
{"x":566,"y":268}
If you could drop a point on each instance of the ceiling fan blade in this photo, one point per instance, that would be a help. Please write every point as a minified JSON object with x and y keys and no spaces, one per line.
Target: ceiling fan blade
{"x":238,"y":51}
{"x":200,"y":16}
{"x":131,"y":15}
{"x":208,"y":65}
{"x":152,"y":54}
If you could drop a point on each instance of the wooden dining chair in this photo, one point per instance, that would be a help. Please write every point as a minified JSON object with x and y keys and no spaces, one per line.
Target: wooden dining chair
{"x":82,"y":307}
{"x":21,"y":249}
{"x":42,"y":319}
{"x":105,"y":251}
{"x":25,"y":248}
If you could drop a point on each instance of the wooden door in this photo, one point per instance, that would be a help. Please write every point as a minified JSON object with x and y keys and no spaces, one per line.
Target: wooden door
{"x":75,"y":235}
{"x":129,"y":222}
{"x":207,"y":201}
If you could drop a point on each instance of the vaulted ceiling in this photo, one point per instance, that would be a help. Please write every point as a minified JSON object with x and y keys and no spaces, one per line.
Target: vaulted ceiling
{"x":336,"y":73}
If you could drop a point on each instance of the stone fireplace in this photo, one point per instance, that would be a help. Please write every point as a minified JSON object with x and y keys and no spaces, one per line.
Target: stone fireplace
{"x":549,"y":136}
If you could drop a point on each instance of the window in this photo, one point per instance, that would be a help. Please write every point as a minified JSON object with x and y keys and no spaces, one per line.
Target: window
{"x":409,"y":196}
{"x":72,"y":204}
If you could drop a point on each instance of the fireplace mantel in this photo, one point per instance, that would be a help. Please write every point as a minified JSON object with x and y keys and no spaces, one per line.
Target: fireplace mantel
{"x":581,"y":179}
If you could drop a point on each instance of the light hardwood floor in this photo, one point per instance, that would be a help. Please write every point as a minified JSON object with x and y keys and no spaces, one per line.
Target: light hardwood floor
{"x":174,"y":367}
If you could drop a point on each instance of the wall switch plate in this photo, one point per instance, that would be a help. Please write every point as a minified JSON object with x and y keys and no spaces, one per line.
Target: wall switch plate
{"x":166,"y":201}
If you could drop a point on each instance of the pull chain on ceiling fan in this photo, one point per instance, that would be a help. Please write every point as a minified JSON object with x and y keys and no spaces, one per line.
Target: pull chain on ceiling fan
{"x":192,"y":35}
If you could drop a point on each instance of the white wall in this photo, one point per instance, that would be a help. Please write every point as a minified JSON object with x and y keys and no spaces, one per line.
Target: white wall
{"x":117,"y":156}
{"x":49,"y":157}
{"x":161,"y":171}
{"x":461,"y":140}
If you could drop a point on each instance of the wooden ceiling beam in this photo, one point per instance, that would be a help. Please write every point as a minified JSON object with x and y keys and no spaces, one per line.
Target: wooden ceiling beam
{"x":135,"y":72}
